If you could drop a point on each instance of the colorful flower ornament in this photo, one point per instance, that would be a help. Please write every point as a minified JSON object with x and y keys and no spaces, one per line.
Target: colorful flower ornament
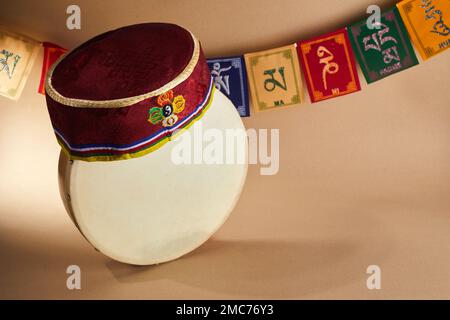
{"x":167,"y":110}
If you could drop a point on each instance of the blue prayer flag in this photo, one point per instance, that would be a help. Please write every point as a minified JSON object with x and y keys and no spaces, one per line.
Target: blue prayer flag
{"x":230,"y":77}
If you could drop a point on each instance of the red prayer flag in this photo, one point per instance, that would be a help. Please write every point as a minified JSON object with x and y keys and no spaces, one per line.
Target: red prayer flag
{"x":51,"y":53}
{"x":329,"y":65}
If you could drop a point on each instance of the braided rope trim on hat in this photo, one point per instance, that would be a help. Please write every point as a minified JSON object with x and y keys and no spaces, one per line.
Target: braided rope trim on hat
{"x":123,"y":102}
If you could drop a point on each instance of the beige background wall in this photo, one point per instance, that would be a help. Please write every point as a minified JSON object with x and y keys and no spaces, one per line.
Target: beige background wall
{"x":364,"y":179}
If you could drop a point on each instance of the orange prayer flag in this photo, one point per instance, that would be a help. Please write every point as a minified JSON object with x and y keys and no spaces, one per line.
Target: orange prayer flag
{"x":427,"y":22}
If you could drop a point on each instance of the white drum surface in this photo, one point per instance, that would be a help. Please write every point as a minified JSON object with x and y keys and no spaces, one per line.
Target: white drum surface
{"x":149,"y":210}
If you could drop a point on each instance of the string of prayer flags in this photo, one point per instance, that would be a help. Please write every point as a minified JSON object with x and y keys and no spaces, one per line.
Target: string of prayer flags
{"x":52,"y":52}
{"x":274,"y":78}
{"x":383,"y":50}
{"x":428,"y":24}
{"x":17,"y":55}
{"x":230,"y":78}
{"x":329,"y":66}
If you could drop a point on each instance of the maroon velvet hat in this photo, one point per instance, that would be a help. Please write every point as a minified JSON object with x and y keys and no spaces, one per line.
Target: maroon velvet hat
{"x":124,"y":93}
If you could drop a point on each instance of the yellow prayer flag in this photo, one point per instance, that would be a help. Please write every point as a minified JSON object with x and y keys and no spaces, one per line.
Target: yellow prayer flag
{"x":274,"y":78}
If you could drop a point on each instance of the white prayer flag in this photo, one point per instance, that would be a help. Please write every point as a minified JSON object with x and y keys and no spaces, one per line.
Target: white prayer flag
{"x":17,"y":55}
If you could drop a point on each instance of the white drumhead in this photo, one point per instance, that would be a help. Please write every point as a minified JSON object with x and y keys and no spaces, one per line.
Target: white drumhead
{"x":150,"y":210}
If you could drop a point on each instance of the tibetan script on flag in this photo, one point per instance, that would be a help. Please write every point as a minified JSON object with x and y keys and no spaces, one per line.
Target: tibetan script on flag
{"x":17,"y":55}
{"x":383,"y":50}
{"x":230,"y":78}
{"x":428,"y":24}
{"x":274,"y":78}
{"x":329,"y":66}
